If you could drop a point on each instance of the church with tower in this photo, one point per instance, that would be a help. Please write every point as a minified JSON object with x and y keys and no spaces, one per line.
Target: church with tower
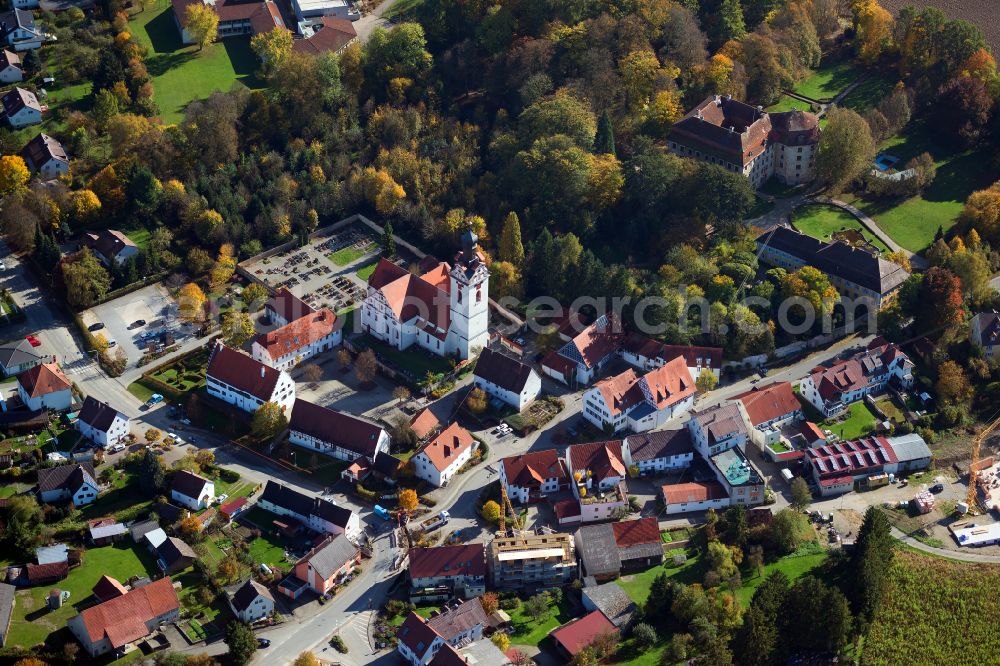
{"x":440,"y":307}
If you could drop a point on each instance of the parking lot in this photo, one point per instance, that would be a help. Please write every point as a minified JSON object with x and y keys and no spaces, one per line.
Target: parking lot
{"x":152,"y":304}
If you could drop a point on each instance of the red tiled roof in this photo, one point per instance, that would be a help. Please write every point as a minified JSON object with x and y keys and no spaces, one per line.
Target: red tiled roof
{"x":410,"y":296}
{"x":566,"y":508}
{"x":596,"y":342}
{"x":262,"y":14}
{"x":231,"y":507}
{"x":670,"y":383}
{"x":559,"y":363}
{"x":620,"y":392}
{"x":289,"y":306}
{"x":603,"y":459}
{"x":39,"y":573}
{"x":442,"y":561}
{"x":692,"y":491}
{"x":298,"y":334}
{"x":109,"y":588}
{"x":415,"y":634}
{"x":634,"y":532}
{"x":577,"y":634}
{"x":331,"y":35}
{"x":445,"y":449}
{"x":43,"y":380}
{"x":240,"y":371}
{"x":765,"y":403}
{"x":424,"y":423}
{"x":648,"y":348}
{"x":123,"y":619}
{"x":108,"y":242}
{"x":533,"y":468}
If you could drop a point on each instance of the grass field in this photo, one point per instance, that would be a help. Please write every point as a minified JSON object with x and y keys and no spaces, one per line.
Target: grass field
{"x":870,"y":92}
{"x":942,"y":611}
{"x":140,"y":237}
{"x":183,"y":73}
{"x":32,"y":622}
{"x":786,"y":103}
{"x":402,"y":9}
{"x":417,"y":362}
{"x":820,"y":221}
{"x":366,"y":271}
{"x":827,"y":81}
{"x":859,"y":420}
{"x":529,"y":632}
{"x":349,"y":255}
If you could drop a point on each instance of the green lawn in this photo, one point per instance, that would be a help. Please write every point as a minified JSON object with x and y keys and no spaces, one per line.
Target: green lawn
{"x":349,"y":255}
{"x":403,"y":8}
{"x":528,"y":631}
{"x":417,"y":362}
{"x":140,"y":237}
{"x":140,"y":391}
{"x":870,"y":92}
{"x":786,"y":103}
{"x":366,"y":271}
{"x":860,"y":419}
{"x":793,"y":566}
{"x":183,"y":73}
{"x":32,"y":622}
{"x":821,"y":221}
{"x":827,"y":81}
{"x":267,"y":550}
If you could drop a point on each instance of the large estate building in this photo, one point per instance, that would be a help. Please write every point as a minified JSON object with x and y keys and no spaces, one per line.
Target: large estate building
{"x":748,"y":140}
{"x":444,"y":309}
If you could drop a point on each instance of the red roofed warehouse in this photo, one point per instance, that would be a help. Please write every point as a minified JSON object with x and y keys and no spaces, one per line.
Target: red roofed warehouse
{"x":531,"y":476}
{"x":574,"y":636}
{"x":298,"y":341}
{"x":440,"y":573}
{"x":439,"y":460}
{"x":115,"y":624}
{"x":694,"y":496}
{"x":241,"y":381}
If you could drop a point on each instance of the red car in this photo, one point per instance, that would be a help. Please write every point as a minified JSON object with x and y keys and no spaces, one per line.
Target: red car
{"x":33,"y":341}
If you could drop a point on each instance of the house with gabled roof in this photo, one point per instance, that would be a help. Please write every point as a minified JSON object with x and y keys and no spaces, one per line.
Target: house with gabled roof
{"x":190,"y":490}
{"x":444,"y":309}
{"x":114,"y":625}
{"x":328,"y":564}
{"x":101,"y":423}
{"x":250,"y":601}
{"x":19,"y":30}
{"x":299,"y":340}
{"x":110,"y":246}
{"x":693,"y":496}
{"x":46,"y":156}
{"x":766,"y":408}
{"x":597,"y":466}
{"x":74,"y":482}
{"x":236,"y":18}
{"x":419,"y":640}
{"x":647,"y":354}
{"x":424,"y":423}
{"x":578,"y":361}
{"x":637,"y":403}
{"x":718,"y":428}
{"x":531,"y":476}
{"x":326,"y":34}
{"x":108,"y":588}
{"x":320,"y":515}
{"x":284,"y":307}
{"x":439,"y":460}
{"x":21,"y":108}
{"x":336,"y":434}
{"x":573,"y":637}
{"x":19,"y":356}
{"x":984,"y":332}
{"x":608,"y":550}
{"x":11,"y":70}
{"x":507,"y":379}
{"x":612,"y":600}
{"x":243,"y":382}
{"x":832,"y":389}
{"x":45,"y":387}
{"x":441,"y":573}
{"x":658,"y":451}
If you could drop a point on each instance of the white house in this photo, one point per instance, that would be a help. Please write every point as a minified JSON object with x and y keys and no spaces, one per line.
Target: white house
{"x":445,"y":309}
{"x":298,"y":341}
{"x":832,"y":389}
{"x":21,"y":108}
{"x":236,"y":378}
{"x":337,"y":434}
{"x":531,"y":476}
{"x":10,"y":67}
{"x":646,"y":354}
{"x":658,"y":451}
{"x":19,"y":30}
{"x":45,"y":387}
{"x":193,"y":491}
{"x":984,"y":332}
{"x":250,"y":601}
{"x":578,"y":361}
{"x":717,"y":429}
{"x":316,"y":513}
{"x":597,"y":466}
{"x":439,"y":460}
{"x":694,"y":496}
{"x":111,"y":247}
{"x":766,"y":408}
{"x":628,"y":401}
{"x":102,"y":423}
{"x":421,"y":640}
{"x":75,"y":482}
{"x":46,"y":156}
{"x":506,"y":378}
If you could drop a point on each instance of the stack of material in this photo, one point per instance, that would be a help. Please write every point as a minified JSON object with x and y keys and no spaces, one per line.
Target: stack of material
{"x":923,"y":502}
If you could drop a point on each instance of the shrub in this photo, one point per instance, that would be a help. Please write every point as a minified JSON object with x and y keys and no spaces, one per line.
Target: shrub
{"x":338,"y":644}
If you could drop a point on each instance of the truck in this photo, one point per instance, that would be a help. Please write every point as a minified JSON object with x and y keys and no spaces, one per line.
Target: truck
{"x":435,"y":522}
{"x":382,"y":513}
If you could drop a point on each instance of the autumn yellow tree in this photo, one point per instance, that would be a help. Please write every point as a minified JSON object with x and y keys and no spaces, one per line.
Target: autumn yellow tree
{"x":189,"y":527}
{"x":491,"y":511}
{"x":982,"y":212}
{"x":408,"y":500}
{"x":202,"y":23}
{"x":14,"y":176}
{"x":380,"y":190}
{"x":272,"y":48}
{"x":225,"y":266}
{"x":873,"y":25}
{"x":84,"y":205}
{"x":191,"y":302}
{"x":108,"y":187}
{"x":476,"y":401}
{"x":207,"y":224}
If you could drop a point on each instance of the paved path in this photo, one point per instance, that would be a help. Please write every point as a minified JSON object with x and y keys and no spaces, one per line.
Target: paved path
{"x":369,"y":22}
{"x":963,"y":555}
{"x":868,"y":223}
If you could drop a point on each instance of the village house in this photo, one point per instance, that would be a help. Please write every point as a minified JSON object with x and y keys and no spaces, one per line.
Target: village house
{"x":108,"y":588}
{"x":628,"y":401}
{"x":21,"y":108}
{"x":855,"y":272}
{"x":612,"y":600}
{"x":419,"y":640}
{"x":250,"y":601}
{"x":441,"y":573}
{"x":571,"y":638}
{"x":984,"y":332}
{"x":103,"y":531}
{"x":424,"y":423}
{"x":718,"y":429}
{"x":110,"y":246}
{"x":114,"y":625}
{"x":848,"y":465}
{"x":514,"y":383}
{"x":658,"y":451}
{"x":316,"y":513}
{"x":284,"y":307}
{"x":766,"y":408}
{"x":531,"y":476}
{"x":19,"y":30}
{"x":832,"y":389}
{"x":18,"y":356}
{"x":596,"y":467}
{"x":609,"y":550}
{"x":45,"y":387}
{"x":236,"y":18}
{"x":101,"y":423}
{"x":439,"y":460}
{"x":694,"y":496}
{"x":748,"y":140}
{"x":444,"y":309}
{"x":239,"y":380}
{"x":578,"y":361}
{"x":328,"y":564}
{"x":173,"y":555}
{"x":75,"y":482}
{"x":648,"y":354}
{"x":233,"y":508}
{"x":10,"y":67}
{"x":336,"y":434}
{"x":190,"y":490}
{"x":742,"y":481}
{"x":298,"y":341}
{"x":325,"y":34}
{"x":46,"y":156}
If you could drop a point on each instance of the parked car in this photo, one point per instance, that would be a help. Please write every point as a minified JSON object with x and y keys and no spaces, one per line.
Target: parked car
{"x":115,"y":448}
{"x":138,"y":323}
{"x":112,"y":342}
{"x":263,"y":643}
{"x":33,"y":341}
{"x":96,"y":326}
{"x":937,"y":488}
{"x":221,"y":498}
